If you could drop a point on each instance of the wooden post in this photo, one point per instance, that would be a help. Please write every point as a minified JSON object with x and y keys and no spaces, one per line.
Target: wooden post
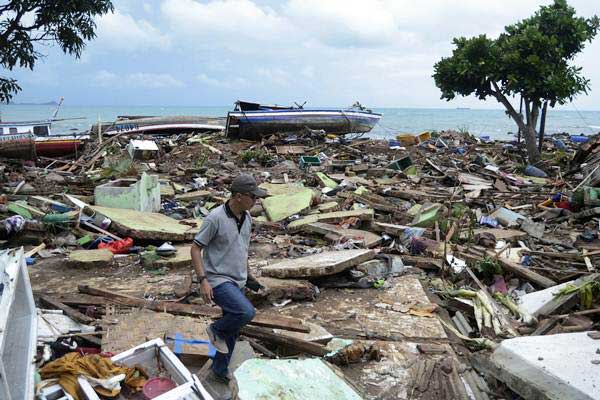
{"x":99,"y":130}
{"x":520,"y":112}
{"x":542,"y":126}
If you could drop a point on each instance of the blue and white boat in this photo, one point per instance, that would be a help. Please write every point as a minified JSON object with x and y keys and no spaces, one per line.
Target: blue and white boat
{"x":253,"y":120}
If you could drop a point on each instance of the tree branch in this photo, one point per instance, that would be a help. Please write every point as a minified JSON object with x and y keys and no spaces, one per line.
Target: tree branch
{"x":14,"y":25}
{"x":518,"y":118}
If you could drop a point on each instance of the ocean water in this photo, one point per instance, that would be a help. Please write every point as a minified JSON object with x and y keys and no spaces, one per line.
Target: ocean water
{"x":494,"y":123}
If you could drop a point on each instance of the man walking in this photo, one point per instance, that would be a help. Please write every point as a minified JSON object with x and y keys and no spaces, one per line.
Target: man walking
{"x":220,"y":258}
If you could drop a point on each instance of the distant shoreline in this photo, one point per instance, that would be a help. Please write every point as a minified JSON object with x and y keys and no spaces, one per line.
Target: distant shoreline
{"x":48,"y":103}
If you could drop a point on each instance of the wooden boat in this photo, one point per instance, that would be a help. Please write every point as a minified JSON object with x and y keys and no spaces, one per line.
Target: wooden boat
{"x":164,"y":125}
{"x":47,"y":143}
{"x":253,"y":120}
{"x":20,"y":145}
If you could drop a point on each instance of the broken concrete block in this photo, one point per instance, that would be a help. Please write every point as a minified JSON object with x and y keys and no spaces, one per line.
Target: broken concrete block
{"x":549,"y":367}
{"x":277,"y":290}
{"x":369,"y":239}
{"x":145,"y":225}
{"x":546,"y":301}
{"x":321,"y":264}
{"x":90,"y":258}
{"x":328,"y":207}
{"x":182,"y":258}
{"x":311,"y":378}
{"x":535,"y":229}
{"x":326,"y":181}
{"x":142,"y":195}
{"x":285,"y":205}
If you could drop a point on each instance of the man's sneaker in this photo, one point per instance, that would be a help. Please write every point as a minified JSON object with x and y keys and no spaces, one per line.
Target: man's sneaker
{"x":224,"y":379}
{"x":216,"y":341}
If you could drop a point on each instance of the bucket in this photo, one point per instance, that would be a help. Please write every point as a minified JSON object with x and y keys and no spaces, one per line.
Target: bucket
{"x":154,"y":387}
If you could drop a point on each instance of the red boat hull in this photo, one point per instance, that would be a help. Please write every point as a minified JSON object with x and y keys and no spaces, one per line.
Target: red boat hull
{"x":57,"y":147}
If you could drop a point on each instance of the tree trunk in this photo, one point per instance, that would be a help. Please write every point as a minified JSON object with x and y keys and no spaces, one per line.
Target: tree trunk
{"x":527,"y":126}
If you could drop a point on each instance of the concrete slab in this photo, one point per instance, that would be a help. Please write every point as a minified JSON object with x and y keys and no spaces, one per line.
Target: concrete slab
{"x":195,"y":195}
{"x":369,"y":239}
{"x":258,"y":379}
{"x":321,"y":264}
{"x":143,"y":225}
{"x":362,"y":214}
{"x":550,"y":367}
{"x":274,"y":189}
{"x":90,"y":258}
{"x":544,"y":302}
{"x":285,"y":205}
{"x":182,"y":258}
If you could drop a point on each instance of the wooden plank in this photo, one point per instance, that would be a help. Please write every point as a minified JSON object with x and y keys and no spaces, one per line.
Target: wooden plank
{"x":523,"y":272}
{"x":286,"y":323}
{"x":303,"y":346}
{"x":71,"y":312}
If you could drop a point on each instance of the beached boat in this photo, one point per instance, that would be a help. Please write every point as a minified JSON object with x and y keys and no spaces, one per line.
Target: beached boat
{"x":166,"y":125}
{"x":20,"y":145}
{"x":47,"y":143}
{"x":253,"y":120}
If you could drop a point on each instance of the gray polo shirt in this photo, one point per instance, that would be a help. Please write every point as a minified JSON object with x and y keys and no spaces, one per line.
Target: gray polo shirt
{"x":225,"y":242}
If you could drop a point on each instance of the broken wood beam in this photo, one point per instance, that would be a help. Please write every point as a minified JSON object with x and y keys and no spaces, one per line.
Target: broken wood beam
{"x":523,"y":272}
{"x":279,"y":322}
{"x":303,"y":346}
{"x":69,"y":311}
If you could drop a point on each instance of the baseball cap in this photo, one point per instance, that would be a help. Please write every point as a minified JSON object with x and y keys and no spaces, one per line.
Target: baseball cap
{"x":245,"y":183}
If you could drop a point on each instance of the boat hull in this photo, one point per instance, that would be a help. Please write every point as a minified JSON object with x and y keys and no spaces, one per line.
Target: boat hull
{"x":57,"y":146}
{"x":21,"y":145}
{"x":254,"y":124}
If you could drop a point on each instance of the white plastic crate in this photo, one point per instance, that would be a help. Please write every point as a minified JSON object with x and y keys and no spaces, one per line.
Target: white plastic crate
{"x":149,"y":354}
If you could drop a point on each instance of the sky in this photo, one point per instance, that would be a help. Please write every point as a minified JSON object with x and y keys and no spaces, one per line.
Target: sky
{"x":325,"y":52}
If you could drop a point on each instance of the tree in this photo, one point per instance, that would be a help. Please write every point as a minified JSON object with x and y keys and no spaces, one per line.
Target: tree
{"x":26,"y":23}
{"x":530,"y":59}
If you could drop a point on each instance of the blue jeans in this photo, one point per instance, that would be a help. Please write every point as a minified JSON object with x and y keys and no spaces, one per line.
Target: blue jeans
{"x":237,"y":312}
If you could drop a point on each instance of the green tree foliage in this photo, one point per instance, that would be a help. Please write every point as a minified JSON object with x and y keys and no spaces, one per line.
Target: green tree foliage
{"x":530,"y":59}
{"x":26,"y":23}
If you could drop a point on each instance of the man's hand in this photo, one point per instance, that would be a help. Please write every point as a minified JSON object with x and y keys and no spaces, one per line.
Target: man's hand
{"x":253,"y":284}
{"x":206,"y":291}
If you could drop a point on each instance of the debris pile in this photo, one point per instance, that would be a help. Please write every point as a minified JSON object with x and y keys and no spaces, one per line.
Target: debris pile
{"x":439,"y":265}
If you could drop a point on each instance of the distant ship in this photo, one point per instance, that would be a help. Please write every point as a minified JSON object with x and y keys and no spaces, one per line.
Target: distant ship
{"x":463,"y":108}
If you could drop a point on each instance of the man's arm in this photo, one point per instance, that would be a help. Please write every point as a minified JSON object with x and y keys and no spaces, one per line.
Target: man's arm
{"x":205,"y":288}
{"x":251,"y":282}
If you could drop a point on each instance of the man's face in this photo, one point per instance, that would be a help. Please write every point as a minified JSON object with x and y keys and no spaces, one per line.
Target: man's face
{"x":246,"y":200}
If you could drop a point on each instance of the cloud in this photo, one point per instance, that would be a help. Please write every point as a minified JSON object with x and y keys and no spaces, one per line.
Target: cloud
{"x":121,"y":31}
{"x":144,"y":80}
{"x":233,"y":24}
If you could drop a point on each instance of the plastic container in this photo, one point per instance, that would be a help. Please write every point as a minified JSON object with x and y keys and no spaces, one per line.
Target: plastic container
{"x":401,"y":164}
{"x":424,"y":136}
{"x":407,"y":139}
{"x":307,"y":161}
{"x":154,"y":387}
